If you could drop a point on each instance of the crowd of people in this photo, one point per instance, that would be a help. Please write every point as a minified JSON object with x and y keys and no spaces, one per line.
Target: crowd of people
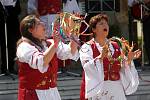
{"x":108,"y":67}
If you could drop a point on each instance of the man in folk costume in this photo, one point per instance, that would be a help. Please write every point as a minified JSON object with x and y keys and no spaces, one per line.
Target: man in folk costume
{"x":37,"y":60}
{"x":108,"y":73}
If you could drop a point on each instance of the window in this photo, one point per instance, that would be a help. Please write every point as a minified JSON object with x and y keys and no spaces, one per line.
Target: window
{"x":95,"y":6}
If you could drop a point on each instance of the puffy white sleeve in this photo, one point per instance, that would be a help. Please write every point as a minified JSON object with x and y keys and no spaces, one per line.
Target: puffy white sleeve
{"x":64,"y":52}
{"x":93,"y":69}
{"x":29,"y":54}
{"x":32,"y":6}
{"x":129,"y":78}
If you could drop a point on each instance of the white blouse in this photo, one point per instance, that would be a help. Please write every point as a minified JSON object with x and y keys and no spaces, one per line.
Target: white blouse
{"x":94,"y":73}
{"x":8,"y":2}
{"x":30,"y":54}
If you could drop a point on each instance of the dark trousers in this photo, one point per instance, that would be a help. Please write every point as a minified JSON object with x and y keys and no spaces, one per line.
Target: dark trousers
{"x":13,"y":35}
{"x":146,"y":33}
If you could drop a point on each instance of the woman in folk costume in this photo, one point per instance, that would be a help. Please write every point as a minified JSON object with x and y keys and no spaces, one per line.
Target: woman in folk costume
{"x":37,"y":60}
{"x":108,"y":73}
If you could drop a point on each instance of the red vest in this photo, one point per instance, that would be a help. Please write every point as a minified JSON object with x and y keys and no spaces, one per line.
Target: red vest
{"x":31,"y":79}
{"x":49,"y":6}
{"x":111,"y":71}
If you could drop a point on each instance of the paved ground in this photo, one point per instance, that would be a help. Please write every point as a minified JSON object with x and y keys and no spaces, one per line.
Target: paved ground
{"x":65,"y":88}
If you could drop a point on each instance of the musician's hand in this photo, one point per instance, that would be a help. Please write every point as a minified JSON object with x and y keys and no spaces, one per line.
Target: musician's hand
{"x":104,"y":52}
{"x":133,"y":54}
{"x":56,"y":37}
{"x":73,"y":46}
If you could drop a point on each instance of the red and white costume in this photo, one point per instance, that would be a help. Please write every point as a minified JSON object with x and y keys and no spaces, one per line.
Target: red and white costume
{"x":38,"y":82}
{"x":103,"y":80}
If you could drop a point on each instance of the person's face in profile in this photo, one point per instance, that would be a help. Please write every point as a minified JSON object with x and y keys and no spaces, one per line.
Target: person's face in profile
{"x":39,"y":30}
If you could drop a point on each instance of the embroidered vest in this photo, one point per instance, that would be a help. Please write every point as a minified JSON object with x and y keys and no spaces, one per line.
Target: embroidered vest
{"x":30,"y":78}
{"x":49,"y":7}
{"x":111,"y":69}
{"x":112,"y":74}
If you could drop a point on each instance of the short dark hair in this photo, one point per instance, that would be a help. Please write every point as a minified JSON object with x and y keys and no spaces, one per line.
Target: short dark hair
{"x":95,"y":19}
